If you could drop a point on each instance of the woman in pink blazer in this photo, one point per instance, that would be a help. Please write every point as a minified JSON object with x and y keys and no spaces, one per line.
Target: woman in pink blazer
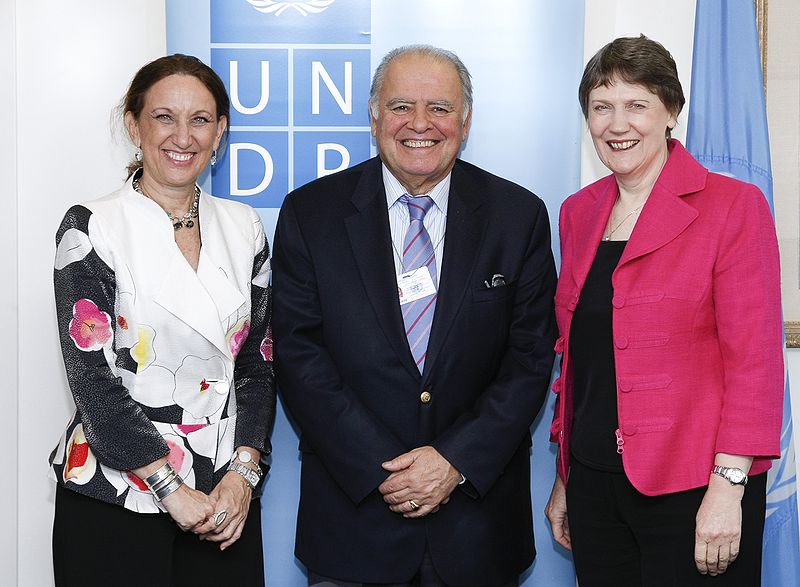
{"x":668,"y":305}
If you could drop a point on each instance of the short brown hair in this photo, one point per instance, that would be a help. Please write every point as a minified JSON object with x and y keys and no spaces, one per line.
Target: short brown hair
{"x":636,"y":60}
{"x":163,"y":67}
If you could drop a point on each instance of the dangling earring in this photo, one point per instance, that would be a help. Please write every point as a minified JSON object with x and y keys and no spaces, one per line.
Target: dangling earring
{"x":213,"y":160}
{"x":138,"y":155}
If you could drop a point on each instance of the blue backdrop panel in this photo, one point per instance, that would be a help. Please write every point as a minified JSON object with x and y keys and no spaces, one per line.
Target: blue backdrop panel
{"x":306,"y":113}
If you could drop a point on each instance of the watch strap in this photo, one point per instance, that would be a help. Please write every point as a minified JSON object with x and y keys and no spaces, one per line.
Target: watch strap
{"x":732,"y":475}
{"x":250,"y":474}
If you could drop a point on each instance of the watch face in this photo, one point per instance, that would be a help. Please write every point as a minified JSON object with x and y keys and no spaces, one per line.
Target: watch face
{"x":736,"y":475}
{"x":244,"y":456}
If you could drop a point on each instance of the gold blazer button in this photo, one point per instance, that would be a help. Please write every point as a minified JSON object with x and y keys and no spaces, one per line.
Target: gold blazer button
{"x":425,"y":397}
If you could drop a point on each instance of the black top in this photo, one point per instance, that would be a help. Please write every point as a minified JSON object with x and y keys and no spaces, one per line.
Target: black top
{"x":591,"y":349}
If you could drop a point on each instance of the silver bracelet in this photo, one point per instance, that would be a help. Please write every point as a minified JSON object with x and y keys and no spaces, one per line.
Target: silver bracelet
{"x":163,"y":482}
{"x":170,"y":488}
{"x":159,"y":476}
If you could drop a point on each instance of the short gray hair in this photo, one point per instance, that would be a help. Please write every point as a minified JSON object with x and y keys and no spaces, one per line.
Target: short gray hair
{"x":435,"y":53}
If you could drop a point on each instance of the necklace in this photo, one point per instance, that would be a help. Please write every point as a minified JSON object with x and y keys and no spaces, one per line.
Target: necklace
{"x":607,"y":237}
{"x":178,"y":222}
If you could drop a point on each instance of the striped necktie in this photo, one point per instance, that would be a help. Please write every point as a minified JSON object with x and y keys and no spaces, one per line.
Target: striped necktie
{"x":418,"y":252}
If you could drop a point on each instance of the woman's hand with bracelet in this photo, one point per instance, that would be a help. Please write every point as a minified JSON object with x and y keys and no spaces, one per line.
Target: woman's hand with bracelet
{"x":232,"y":496}
{"x":190,"y":508}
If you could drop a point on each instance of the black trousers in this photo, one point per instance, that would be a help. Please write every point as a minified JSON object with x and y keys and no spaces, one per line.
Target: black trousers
{"x":426,"y":577}
{"x":623,"y":538}
{"x":100,"y":544}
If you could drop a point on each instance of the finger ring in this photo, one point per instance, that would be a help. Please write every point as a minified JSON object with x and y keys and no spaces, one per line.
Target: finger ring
{"x":414,"y":505}
{"x":220,"y":517}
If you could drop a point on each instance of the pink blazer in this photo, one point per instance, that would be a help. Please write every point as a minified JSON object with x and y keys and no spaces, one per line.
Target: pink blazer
{"x":696,"y":324}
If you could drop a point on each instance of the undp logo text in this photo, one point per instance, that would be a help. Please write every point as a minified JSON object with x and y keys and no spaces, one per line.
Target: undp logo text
{"x":297,"y":112}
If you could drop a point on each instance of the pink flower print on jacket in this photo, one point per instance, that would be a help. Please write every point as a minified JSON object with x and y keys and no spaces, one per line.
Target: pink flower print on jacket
{"x":238,"y":335}
{"x":90,"y":327}
{"x":266,"y":345}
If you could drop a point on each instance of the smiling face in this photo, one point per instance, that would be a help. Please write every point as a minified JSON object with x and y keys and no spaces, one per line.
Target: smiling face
{"x":420,"y":121}
{"x":177,"y":131}
{"x":628,"y":124}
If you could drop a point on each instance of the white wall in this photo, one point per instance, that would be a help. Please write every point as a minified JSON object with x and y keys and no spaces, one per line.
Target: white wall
{"x":8,"y":294}
{"x":68,"y":68}
{"x":783,"y":98}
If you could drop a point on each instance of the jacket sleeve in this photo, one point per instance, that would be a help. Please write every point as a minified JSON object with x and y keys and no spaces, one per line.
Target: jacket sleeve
{"x":746,"y":293}
{"x":348,"y":438}
{"x":119,"y":433}
{"x":253,"y":372}
{"x":482,"y":441}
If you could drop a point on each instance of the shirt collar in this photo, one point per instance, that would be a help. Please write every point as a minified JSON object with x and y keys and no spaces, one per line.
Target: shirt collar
{"x":395,"y":190}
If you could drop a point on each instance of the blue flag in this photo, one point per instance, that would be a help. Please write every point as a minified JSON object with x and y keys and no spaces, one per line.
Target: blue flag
{"x":728,"y":133}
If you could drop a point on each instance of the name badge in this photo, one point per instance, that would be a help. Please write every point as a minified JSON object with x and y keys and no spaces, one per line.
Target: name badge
{"x":415,"y":285}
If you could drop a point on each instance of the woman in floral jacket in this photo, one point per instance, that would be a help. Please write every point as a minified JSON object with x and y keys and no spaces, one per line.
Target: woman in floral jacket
{"x":163,"y":302}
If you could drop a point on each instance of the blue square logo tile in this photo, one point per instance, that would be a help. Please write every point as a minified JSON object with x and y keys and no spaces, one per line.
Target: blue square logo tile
{"x":257,"y":81}
{"x":254,"y":169}
{"x":331,"y":87}
{"x":317,"y":154}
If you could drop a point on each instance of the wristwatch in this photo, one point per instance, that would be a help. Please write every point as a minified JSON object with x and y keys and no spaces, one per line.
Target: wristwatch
{"x":250,"y":474}
{"x":732,"y":474}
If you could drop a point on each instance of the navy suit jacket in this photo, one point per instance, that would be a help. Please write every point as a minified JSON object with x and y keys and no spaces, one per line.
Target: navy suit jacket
{"x":348,"y":377}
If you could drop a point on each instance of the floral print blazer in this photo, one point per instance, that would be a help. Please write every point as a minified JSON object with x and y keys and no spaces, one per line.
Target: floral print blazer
{"x":161,"y":360}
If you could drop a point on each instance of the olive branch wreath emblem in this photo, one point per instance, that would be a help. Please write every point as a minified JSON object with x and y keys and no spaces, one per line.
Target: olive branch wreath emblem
{"x":277,"y":8}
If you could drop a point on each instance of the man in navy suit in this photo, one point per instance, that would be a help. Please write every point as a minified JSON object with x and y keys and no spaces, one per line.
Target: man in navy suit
{"x":414,"y":331}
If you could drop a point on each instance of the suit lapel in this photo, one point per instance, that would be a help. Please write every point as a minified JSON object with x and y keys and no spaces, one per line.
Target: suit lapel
{"x":202,"y":299}
{"x":464,"y":234}
{"x":666,"y":215}
{"x":663,"y":218}
{"x":222,"y":243}
{"x":590,"y":221}
{"x":371,"y":242}
{"x":183,"y":295}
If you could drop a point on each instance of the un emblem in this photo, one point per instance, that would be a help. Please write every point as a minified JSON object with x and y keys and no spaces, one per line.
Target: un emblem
{"x":303,"y":7}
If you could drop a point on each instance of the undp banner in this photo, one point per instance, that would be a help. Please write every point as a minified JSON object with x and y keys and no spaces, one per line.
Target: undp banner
{"x":298,"y":74}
